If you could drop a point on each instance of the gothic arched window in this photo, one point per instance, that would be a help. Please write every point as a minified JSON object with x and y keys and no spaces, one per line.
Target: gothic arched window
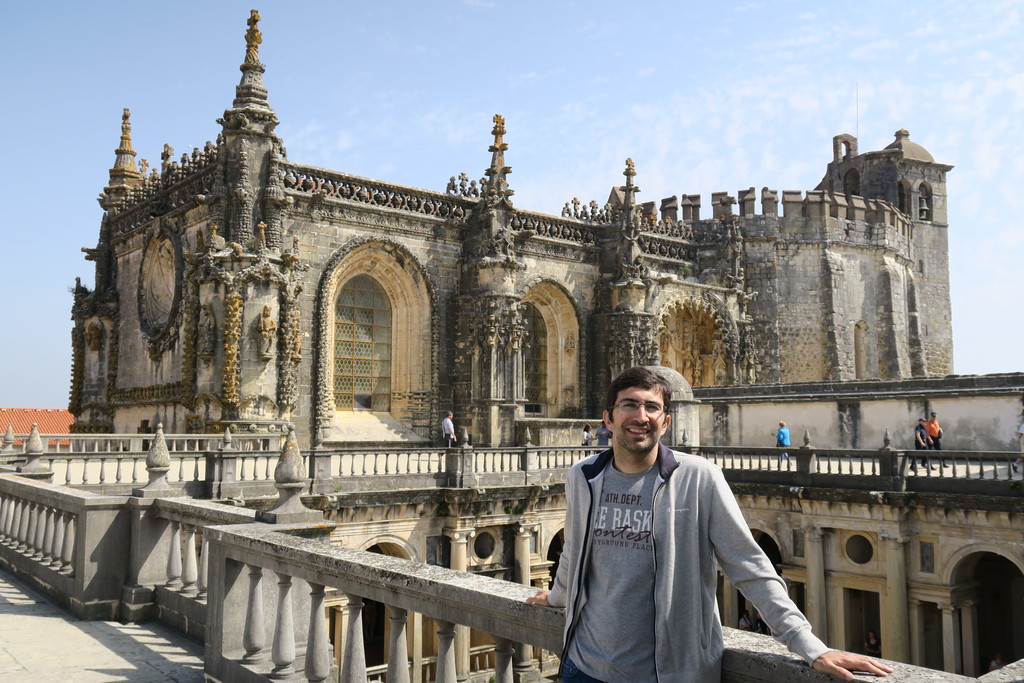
{"x":362,"y":346}
{"x":535,"y":359}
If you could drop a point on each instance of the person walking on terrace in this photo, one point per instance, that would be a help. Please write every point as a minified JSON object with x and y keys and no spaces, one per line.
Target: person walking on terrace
{"x":448,"y":429}
{"x":1020,"y":446}
{"x":645,"y":530}
{"x":922,"y":442}
{"x":782,"y":440}
{"x":934,"y":430}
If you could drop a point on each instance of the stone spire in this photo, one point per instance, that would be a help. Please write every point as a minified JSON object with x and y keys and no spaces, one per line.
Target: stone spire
{"x":629,"y":190}
{"x":124,"y":174}
{"x":250,"y":111}
{"x":496,"y":190}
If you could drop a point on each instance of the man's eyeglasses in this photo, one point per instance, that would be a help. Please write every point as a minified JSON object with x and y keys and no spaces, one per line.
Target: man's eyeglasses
{"x":628,"y":407}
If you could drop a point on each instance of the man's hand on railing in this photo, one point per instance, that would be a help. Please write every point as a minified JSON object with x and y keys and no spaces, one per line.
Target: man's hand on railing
{"x":842,"y":664}
{"x":540,"y":598}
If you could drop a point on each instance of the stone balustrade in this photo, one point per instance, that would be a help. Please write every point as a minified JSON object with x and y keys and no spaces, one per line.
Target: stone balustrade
{"x":257,"y":592}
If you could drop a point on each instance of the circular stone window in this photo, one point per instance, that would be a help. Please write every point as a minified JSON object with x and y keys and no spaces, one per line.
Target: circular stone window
{"x":483,"y":546}
{"x":859,"y":549}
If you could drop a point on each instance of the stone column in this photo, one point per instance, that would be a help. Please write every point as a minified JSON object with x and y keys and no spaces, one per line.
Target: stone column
{"x":815,"y":597}
{"x":896,"y":640}
{"x":916,"y":636}
{"x":969,"y":633}
{"x":460,"y":562}
{"x":522,"y":657}
{"x":728,"y":602}
{"x":950,"y":638}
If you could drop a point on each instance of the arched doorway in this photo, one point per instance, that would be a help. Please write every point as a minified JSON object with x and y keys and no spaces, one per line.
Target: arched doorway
{"x":691,"y":342}
{"x":988,"y":593}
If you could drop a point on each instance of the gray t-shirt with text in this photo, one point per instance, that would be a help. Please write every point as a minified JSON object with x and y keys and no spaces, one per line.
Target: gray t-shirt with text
{"x":614,"y":639}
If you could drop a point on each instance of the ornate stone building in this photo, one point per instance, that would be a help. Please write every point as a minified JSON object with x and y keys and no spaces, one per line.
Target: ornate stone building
{"x":238,"y":287}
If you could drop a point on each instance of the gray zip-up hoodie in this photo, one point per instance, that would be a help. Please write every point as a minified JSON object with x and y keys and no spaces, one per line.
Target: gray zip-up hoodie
{"x":697,"y":525}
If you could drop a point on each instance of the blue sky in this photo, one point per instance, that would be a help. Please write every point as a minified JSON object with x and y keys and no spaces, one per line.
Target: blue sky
{"x":703,"y":96}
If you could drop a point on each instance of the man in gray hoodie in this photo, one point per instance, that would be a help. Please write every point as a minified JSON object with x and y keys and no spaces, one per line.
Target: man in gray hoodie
{"x":645,"y":529}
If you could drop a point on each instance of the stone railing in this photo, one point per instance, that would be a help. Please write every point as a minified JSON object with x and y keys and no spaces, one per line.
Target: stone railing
{"x":71,"y":545}
{"x":278,"y":578}
{"x":961,"y":472}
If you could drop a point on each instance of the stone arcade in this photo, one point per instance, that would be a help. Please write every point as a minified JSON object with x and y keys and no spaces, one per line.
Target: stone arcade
{"x":235,"y":287}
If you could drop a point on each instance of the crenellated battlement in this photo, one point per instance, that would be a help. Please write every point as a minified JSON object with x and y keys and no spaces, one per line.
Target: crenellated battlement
{"x":841,"y":217}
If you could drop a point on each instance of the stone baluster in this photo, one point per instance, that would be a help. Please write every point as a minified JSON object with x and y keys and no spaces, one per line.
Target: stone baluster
{"x":190,"y":570}
{"x":58,"y":538}
{"x":47,"y":544}
{"x":5,"y":514}
{"x":67,"y":554}
{"x":204,"y":568}
{"x":445,"y":652}
{"x":318,"y":648}
{"x":254,"y":630}
{"x":283,"y":650}
{"x":19,"y":516}
{"x":398,"y":659}
{"x":174,"y":557}
{"x":353,"y":666}
{"x":28,"y":527}
{"x":503,"y":652}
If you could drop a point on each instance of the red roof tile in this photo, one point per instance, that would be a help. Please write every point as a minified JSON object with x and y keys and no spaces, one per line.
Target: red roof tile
{"x":50,"y":420}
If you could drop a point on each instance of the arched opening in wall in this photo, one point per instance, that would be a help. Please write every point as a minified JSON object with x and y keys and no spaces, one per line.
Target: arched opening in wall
{"x":774,"y":553}
{"x":860,"y":350}
{"x":691,"y":343}
{"x":535,"y":360}
{"x":550,"y":352}
{"x":374,"y":350}
{"x":554,"y":554}
{"x":851,"y":182}
{"x":924,"y":202}
{"x":362,"y":346}
{"x":903,"y":197}
{"x":989,"y":590}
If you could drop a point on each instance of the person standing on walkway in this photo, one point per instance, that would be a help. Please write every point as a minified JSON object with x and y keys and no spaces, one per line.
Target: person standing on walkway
{"x":782,"y":440}
{"x":603,"y":434}
{"x":1020,"y":446}
{"x":646,"y":529}
{"x":935,"y":433}
{"x":922,"y":442}
{"x":448,"y":429}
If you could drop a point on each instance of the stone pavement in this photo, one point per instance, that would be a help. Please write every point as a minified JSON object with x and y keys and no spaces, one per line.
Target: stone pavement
{"x":40,"y":641}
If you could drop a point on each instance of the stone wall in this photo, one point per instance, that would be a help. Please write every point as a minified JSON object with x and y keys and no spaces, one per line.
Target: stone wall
{"x":977,"y":412}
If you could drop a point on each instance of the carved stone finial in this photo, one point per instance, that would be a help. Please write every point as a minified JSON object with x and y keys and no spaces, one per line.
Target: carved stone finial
{"x":124,"y":174}
{"x":289,"y":480}
{"x":807,"y":439}
{"x":289,"y":468}
{"x":34,"y":444}
{"x":158,"y":455}
{"x":226,"y":442}
{"x":496,"y":190}
{"x":158,"y":462}
{"x":34,"y":450}
{"x":8,"y":443}
{"x":887,"y":439}
{"x":253,"y":38}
